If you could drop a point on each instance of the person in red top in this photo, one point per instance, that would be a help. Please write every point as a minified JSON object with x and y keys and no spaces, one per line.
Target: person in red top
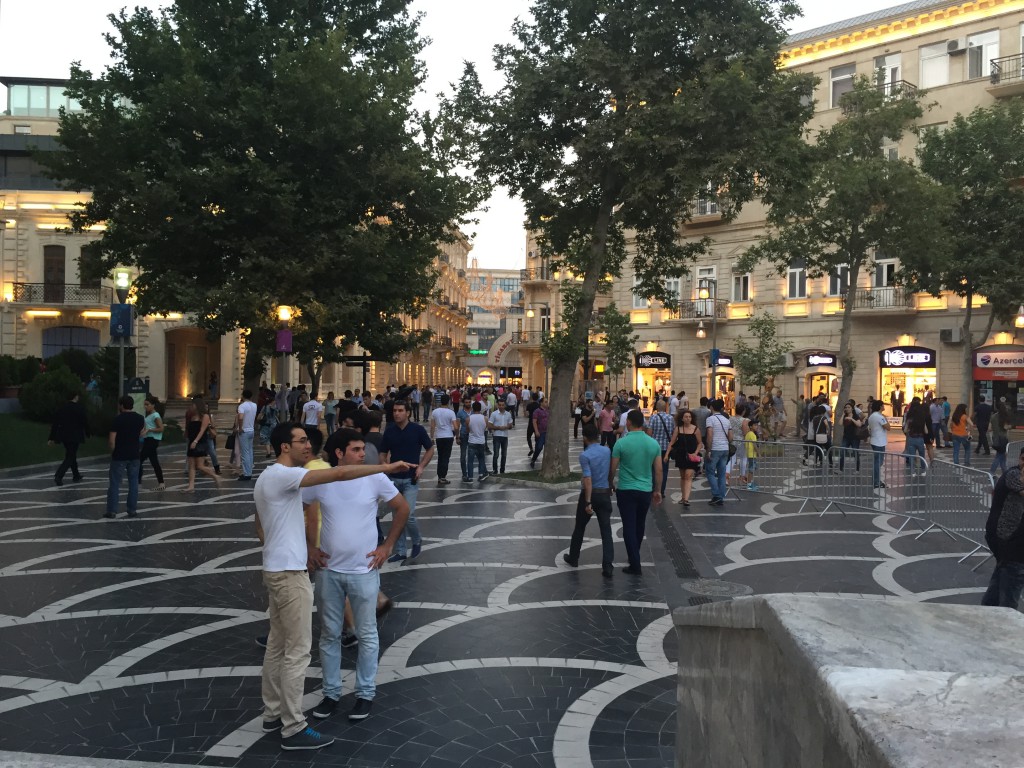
{"x":456,"y":394}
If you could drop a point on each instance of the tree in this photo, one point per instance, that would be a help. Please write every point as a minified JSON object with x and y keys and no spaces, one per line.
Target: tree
{"x":610,"y":122}
{"x":619,"y":339}
{"x":246,"y":155}
{"x":980,"y":159}
{"x":852,"y":202}
{"x":762,"y":362}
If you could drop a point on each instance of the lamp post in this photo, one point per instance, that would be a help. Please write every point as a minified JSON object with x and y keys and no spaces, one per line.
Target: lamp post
{"x":284,"y":342}
{"x":707,"y":288}
{"x":122,"y":323}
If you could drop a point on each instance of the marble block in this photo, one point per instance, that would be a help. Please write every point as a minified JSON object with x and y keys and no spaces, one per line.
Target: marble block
{"x":786,"y":681}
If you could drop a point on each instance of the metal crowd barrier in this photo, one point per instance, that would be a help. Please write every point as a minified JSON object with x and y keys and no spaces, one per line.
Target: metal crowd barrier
{"x":1013,"y":449}
{"x":941,"y":496}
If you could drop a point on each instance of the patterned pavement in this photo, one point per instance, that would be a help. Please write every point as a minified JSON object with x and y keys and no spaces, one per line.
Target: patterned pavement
{"x":134,"y":639}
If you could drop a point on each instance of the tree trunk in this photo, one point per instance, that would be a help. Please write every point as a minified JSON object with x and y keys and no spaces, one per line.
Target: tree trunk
{"x":555,"y":462}
{"x":316,"y":372}
{"x":847,"y":364}
{"x":967,"y":355}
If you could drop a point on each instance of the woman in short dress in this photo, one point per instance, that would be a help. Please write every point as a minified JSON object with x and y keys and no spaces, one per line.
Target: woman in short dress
{"x":198,"y":422}
{"x":269,"y":418}
{"x":686,"y":442}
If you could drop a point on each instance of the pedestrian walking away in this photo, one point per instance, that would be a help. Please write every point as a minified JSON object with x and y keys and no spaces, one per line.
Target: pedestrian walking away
{"x":661,"y":430}
{"x":152,"y":436}
{"x":286,"y":562}
{"x":125,"y":440}
{"x":499,"y":423}
{"x":245,"y":428}
{"x":637,"y":459}
{"x":719,"y":440}
{"x":595,"y":500}
{"x":539,"y":420}
{"x":197,"y":424}
{"x":346,"y":541}
{"x":70,"y":428}
{"x":1004,"y":534}
{"x":443,"y":428}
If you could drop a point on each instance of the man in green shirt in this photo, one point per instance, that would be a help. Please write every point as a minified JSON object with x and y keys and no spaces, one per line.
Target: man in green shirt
{"x":637,"y":457}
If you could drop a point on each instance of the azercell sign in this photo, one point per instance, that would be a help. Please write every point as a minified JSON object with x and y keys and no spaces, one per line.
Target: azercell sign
{"x":907,"y":357}
{"x":999,"y":359}
{"x":821,"y":359}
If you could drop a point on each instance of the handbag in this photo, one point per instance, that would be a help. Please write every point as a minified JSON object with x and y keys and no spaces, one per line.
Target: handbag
{"x":693,"y":458}
{"x":230,"y":443}
{"x":863,"y":433}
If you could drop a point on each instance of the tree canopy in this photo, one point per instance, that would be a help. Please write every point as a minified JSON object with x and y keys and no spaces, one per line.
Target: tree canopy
{"x":247,"y":155}
{"x":614,"y":117}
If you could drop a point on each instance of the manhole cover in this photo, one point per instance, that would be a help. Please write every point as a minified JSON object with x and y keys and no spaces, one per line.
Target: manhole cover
{"x":716,"y":588}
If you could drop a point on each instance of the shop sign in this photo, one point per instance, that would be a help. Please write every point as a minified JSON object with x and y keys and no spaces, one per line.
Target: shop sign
{"x":724,"y":361}
{"x":653,"y":360}
{"x":510,"y":373}
{"x":1011,"y":359}
{"x":821,"y":358}
{"x":907,"y":357}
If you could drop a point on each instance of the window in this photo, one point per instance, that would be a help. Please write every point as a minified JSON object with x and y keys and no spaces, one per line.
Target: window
{"x":89,"y":266}
{"x":56,"y":340}
{"x":39,"y":100}
{"x":672,"y":287}
{"x":797,"y":283}
{"x":885,"y":270}
{"x":839,"y":281}
{"x":888,"y":71}
{"x":707,"y":206}
{"x":545,"y":319}
{"x":24,"y":130}
{"x":639,"y":302}
{"x":934,"y":65}
{"x":842,"y":82}
{"x":890,"y":150}
{"x":981,"y":49}
{"x":741,"y":288}
{"x":705,"y":307}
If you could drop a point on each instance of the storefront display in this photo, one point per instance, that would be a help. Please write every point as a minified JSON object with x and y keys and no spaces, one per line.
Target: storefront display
{"x":998,"y":373}
{"x":905,"y":373}
{"x":725,"y":386}
{"x":821,"y":376}
{"x":510,"y":375}
{"x":653,"y":374}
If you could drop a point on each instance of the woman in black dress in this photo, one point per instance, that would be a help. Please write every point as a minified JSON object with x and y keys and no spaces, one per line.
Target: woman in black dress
{"x":197,"y":423}
{"x":686,"y":443}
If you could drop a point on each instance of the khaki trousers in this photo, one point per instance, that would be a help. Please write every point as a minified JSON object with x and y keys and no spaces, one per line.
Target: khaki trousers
{"x":290,"y":596}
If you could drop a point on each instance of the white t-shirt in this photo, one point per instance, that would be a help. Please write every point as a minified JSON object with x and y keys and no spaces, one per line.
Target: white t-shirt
{"x":684,"y":402}
{"x":510,"y":400}
{"x":311,"y":413}
{"x":673,"y":406}
{"x":876,"y":429}
{"x":279,"y":506}
{"x":719,"y":426}
{"x":501,"y":419}
{"x":348,"y":512}
{"x":442,"y":419}
{"x":477,"y":428}
{"x":248,"y":410}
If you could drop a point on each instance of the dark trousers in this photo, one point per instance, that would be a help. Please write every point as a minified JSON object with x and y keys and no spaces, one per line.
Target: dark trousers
{"x":602,"y":505}
{"x":70,"y":462}
{"x":538,"y":446}
{"x":444,"y":455}
{"x":664,"y":475}
{"x":529,"y":437}
{"x":576,"y":426}
{"x":982,"y":440}
{"x":500,"y":449}
{"x":852,"y":444}
{"x":476,"y":455}
{"x":149,"y":451}
{"x":608,"y":438}
{"x":415,"y":411}
{"x":1005,"y":586}
{"x":633,"y":506}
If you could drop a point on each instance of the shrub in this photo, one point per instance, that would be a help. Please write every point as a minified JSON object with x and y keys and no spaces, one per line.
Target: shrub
{"x":106,"y":362}
{"x":41,"y":397}
{"x":99,"y":415}
{"x":17,"y":371}
{"x":78,"y":361}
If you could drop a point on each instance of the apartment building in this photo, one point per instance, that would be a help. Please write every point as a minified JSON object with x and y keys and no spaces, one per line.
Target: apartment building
{"x":966,"y":55}
{"x":496,"y":309}
{"x":48,"y":303}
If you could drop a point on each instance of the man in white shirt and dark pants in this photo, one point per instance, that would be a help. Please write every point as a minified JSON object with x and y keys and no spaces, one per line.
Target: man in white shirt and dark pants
{"x":443,"y":428}
{"x":348,"y":541}
{"x":312,"y":413}
{"x":286,"y":560}
{"x":245,"y":429}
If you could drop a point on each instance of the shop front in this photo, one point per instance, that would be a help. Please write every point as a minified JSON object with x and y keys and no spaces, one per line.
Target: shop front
{"x":509,"y":375}
{"x":905,"y":373}
{"x":998,"y":373}
{"x":653,"y":374}
{"x":725,"y":383}
{"x":821,"y":376}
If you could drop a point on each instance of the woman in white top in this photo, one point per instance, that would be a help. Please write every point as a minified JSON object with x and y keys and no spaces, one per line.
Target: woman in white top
{"x":878,"y":427}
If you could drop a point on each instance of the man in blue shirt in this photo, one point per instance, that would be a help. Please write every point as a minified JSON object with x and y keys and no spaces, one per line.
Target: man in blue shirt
{"x":403,"y":440}
{"x":595,"y":500}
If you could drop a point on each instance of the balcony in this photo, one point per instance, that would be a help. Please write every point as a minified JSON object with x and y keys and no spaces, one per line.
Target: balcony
{"x":699,"y":309}
{"x":895,"y":89}
{"x":887,"y":298}
{"x":62,"y":293}
{"x":536,"y":274}
{"x":533,"y":338}
{"x":445,"y":342}
{"x":1006,"y":77}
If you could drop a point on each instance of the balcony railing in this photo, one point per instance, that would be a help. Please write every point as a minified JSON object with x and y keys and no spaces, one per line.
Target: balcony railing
{"x":62,"y":293}
{"x":529,"y":337}
{"x":1007,"y":69}
{"x":699,"y":309}
{"x":894,"y":89}
{"x":886,"y":297}
{"x":536,"y":273}
{"x":443,"y":341}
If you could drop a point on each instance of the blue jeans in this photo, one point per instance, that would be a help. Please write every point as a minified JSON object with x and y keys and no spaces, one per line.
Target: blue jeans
{"x":245,"y":449}
{"x":464,"y":455}
{"x":664,"y":475}
{"x":478,"y":456}
{"x":211,"y":449}
{"x":117,"y":469}
{"x":715,"y":468}
{"x":500,"y":449}
{"x":538,"y":445}
{"x":410,"y":491}
{"x":633,"y":507}
{"x":876,"y":466}
{"x":939,"y":432}
{"x":1005,"y":586}
{"x":329,"y":420}
{"x":851,"y":444}
{"x":361,"y":590}
{"x":915,"y":445}
{"x":958,"y":444}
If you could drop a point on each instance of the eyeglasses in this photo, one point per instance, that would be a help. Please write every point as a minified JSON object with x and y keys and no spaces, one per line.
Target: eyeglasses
{"x":300,"y":441}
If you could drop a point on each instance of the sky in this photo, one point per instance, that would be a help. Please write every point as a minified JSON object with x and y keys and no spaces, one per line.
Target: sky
{"x":40,"y":38}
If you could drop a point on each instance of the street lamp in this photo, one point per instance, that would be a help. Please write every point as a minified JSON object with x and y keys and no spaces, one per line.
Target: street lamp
{"x":1019,"y":321}
{"x":284,"y":341}
{"x":707,"y":288}
{"x":121,"y":321}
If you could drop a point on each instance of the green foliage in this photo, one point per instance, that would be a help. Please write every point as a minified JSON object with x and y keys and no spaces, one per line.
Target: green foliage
{"x":764,"y":359}
{"x":41,"y":397}
{"x":78,"y":361}
{"x":275,"y":156}
{"x":619,"y":337}
{"x":15,"y":371}
{"x":106,"y":361}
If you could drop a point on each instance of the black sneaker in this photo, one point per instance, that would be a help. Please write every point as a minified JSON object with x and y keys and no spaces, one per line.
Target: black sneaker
{"x":109,"y":515}
{"x":261,"y":640}
{"x":307,"y":739}
{"x":348,"y":640}
{"x":270,"y":726}
{"x":361,"y":710}
{"x":325,"y":708}
{"x":570,"y":561}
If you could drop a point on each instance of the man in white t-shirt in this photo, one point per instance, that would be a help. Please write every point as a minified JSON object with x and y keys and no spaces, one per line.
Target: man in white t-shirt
{"x":286,"y":562}
{"x":312,"y":412}
{"x":477,"y":443}
{"x":499,"y":423}
{"x":444,"y":432}
{"x":348,"y":539}
{"x":245,"y":431}
{"x":719,"y":436}
{"x":513,"y":404}
{"x":673,"y":406}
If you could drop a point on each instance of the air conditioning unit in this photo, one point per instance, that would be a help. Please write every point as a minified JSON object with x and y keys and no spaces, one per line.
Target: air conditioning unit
{"x":951,"y":335}
{"x":533,"y":254}
{"x":957,"y":47}
{"x":788,"y":360}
